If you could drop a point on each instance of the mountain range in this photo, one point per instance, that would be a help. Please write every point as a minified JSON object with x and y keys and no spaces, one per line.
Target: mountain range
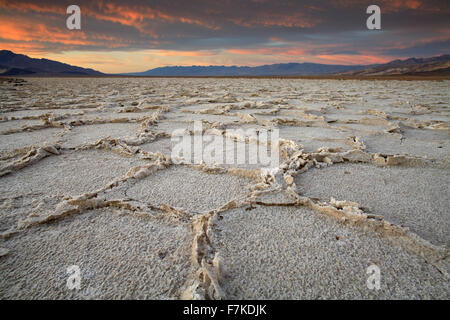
{"x":439,"y":65}
{"x":281,"y":69}
{"x":12,"y":64}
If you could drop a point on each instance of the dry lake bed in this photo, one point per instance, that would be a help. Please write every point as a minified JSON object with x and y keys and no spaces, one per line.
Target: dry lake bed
{"x":95,"y":204}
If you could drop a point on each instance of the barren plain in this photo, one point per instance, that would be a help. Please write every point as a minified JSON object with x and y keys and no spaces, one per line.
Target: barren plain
{"x":87,"y":179}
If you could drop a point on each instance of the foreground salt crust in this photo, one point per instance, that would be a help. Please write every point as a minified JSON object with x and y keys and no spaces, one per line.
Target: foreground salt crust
{"x":87,"y":179}
{"x":121,"y":257}
{"x":415,"y":197}
{"x":292,"y":253}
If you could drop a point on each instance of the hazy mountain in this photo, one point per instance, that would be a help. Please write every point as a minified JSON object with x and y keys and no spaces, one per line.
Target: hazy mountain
{"x":12,"y":64}
{"x":439,"y":65}
{"x":282,"y":69}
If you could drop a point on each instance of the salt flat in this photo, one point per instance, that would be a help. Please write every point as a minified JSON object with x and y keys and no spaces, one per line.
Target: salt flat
{"x":88,"y":177}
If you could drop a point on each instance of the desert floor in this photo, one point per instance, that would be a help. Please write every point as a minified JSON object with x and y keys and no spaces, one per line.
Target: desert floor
{"x":87,"y":178}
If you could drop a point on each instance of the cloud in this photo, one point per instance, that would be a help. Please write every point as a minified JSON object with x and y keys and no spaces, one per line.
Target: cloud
{"x":228,"y":32}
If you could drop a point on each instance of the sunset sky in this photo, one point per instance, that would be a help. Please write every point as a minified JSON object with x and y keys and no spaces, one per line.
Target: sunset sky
{"x":133,"y":35}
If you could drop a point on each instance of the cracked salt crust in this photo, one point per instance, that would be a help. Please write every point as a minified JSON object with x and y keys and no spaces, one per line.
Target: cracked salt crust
{"x":56,"y":177}
{"x":291,"y":253}
{"x":188,"y":188}
{"x":120,"y":257}
{"x":418,"y":198}
{"x":20,"y":140}
{"x":91,"y":133}
{"x":87,"y":178}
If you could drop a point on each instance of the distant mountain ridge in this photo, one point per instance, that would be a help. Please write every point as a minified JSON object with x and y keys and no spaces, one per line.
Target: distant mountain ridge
{"x":281,"y":69}
{"x":439,"y":65}
{"x":12,"y":64}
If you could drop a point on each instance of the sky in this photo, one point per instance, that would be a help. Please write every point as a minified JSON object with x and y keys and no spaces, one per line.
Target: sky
{"x":137,"y":35}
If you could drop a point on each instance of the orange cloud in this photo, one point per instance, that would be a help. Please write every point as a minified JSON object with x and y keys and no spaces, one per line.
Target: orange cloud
{"x":391,"y":6}
{"x":33,"y":35}
{"x":174,"y":53}
{"x":22,"y":31}
{"x":294,"y":51}
{"x":25,"y":6}
{"x":135,"y":16}
{"x":349,"y":59}
{"x":28,"y":48}
{"x":261,"y":51}
{"x":292,"y":54}
{"x":298,"y":20}
{"x":403,"y":4}
{"x":290,"y":51}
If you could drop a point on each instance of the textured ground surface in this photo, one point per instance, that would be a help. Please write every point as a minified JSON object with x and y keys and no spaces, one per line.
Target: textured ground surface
{"x":88,"y":178}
